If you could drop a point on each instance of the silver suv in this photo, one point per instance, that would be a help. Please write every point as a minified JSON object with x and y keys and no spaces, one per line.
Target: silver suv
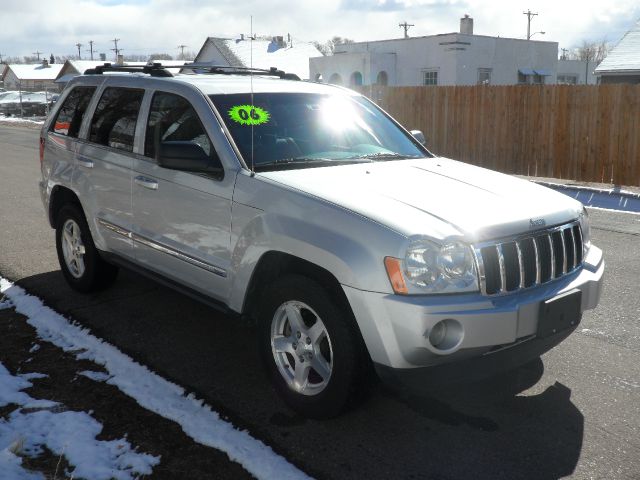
{"x":308,"y":208}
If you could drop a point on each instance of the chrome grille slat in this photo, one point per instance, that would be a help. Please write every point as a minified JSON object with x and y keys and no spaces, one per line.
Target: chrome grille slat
{"x":507,"y":265}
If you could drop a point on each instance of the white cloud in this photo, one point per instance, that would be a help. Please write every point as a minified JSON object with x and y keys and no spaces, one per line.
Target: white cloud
{"x":146,"y":26}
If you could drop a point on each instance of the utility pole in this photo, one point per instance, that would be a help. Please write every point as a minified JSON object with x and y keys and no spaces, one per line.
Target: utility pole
{"x":529,"y":15}
{"x":79,"y":45}
{"x":564,"y":54}
{"x":1,"y":55}
{"x":90,"y":48}
{"x":406,"y":26}
{"x":116,"y":49}
{"x":37,"y":53}
{"x":182,"y":47}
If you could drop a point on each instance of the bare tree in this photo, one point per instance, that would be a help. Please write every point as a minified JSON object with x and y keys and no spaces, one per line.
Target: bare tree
{"x":160,"y":56}
{"x":329,"y":47}
{"x":591,"y":51}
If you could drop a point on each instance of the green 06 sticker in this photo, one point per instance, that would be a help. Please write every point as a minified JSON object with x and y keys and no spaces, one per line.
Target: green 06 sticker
{"x":249,"y":115}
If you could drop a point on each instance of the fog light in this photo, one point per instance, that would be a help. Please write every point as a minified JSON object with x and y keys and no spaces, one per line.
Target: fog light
{"x":438,"y":333}
{"x":446,"y":335}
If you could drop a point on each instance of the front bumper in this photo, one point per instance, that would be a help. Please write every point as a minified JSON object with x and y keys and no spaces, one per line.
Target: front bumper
{"x":396,"y":328}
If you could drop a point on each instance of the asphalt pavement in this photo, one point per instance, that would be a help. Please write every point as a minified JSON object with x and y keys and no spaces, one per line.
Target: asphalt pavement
{"x":574,"y":413}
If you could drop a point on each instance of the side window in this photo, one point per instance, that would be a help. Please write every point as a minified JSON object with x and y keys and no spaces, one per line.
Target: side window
{"x":114,"y":121}
{"x":72,"y":111}
{"x":172,"y":118}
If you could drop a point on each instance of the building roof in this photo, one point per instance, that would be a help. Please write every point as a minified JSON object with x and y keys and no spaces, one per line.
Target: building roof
{"x":625,"y":56}
{"x":34,"y":72}
{"x":292,"y":57}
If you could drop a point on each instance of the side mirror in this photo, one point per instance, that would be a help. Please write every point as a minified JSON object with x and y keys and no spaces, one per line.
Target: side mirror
{"x":419,"y":136}
{"x":189,"y":157}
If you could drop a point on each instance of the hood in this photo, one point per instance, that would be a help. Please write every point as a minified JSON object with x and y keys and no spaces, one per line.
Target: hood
{"x":438,"y":197}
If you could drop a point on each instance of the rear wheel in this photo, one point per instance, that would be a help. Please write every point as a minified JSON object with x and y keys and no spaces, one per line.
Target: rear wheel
{"x":80,"y":262}
{"x":311,"y":347}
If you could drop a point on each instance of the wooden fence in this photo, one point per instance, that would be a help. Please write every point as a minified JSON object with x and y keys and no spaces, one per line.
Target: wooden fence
{"x":587,"y":133}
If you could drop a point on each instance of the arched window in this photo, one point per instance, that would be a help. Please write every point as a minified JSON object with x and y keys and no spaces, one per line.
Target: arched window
{"x":382,"y":79}
{"x":356,"y":79}
{"x":335,"y":79}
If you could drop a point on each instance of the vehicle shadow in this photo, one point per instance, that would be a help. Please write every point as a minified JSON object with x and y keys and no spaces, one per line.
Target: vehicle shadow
{"x":521,"y":424}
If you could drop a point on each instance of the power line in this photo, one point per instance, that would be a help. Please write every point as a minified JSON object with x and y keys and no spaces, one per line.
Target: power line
{"x":116,"y":49}
{"x":529,"y":15}
{"x":406,"y":27}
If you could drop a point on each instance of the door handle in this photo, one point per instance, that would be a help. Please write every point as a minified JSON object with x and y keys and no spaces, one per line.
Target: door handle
{"x":146,"y":182}
{"x":85,"y":162}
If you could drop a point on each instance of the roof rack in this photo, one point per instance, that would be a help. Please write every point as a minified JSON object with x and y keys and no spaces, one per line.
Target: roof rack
{"x":233,"y":70}
{"x":153,"y":69}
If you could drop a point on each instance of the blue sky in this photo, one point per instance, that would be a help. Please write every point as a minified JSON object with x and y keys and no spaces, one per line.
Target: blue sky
{"x":153,"y":26}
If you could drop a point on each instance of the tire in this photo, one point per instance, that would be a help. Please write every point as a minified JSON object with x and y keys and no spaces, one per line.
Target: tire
{"x":83,"y":268}
{"x":311,"y":348}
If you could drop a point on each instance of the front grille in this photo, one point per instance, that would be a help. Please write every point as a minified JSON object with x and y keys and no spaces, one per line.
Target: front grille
{"x":529,"y":260}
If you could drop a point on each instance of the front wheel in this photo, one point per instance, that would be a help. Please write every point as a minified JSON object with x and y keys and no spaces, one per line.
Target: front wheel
{"x":80,"y":262}
{"x":311,"y":347}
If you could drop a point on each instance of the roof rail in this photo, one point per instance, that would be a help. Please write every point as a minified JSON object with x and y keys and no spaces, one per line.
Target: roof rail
{"x":153,"y":69}
{"x":233,"y":70}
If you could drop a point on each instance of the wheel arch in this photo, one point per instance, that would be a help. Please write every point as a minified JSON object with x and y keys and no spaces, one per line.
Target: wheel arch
{"x":61,"y":196}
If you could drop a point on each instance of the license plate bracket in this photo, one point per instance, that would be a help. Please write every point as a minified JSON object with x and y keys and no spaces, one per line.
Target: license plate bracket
{"x":559,"y":313}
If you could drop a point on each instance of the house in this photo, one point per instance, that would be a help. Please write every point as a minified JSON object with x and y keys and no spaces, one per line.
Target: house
{"x":576,"y":72}
{"x":622,"y":65}
{"x":459,"y":58}
{"x":263,"y":52}
{"x":35,"y":77}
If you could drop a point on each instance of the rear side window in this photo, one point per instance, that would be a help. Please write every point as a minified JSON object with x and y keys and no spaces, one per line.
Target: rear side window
{"x":114,"y":121}
{"x":72,"y":111}
{"x":172,"y":118}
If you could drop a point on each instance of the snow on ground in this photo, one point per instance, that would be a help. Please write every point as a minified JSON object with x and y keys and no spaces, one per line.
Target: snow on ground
{"x":39,"y":423}
{"x":151,"y":391}
{"x":5,"y":119}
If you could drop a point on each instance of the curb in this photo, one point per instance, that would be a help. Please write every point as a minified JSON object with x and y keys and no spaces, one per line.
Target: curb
{"x":603,"y":191}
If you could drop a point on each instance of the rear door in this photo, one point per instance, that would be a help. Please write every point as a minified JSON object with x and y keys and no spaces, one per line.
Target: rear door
{"x":104,"y":161}
{"x":182,"y":220}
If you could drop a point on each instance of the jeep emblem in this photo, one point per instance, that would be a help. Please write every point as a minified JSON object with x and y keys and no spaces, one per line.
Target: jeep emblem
{"x":537,"y":222}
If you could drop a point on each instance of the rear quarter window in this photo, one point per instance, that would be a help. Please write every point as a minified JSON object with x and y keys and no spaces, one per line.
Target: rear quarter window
{"x":114,"y":121}
{"x":71,"y":113}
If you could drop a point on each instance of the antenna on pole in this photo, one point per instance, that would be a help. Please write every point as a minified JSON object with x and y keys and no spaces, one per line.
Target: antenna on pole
{"x":90,"y":48}
{"x":252,"y":106}
{"x":406,"y":27}
{"x":529,"y":15}
{"x":79,"y":45}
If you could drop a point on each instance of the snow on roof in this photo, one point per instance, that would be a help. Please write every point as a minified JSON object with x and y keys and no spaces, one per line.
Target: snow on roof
{"x":625,"y":56}
{"x":291,"y":57}
{"x":35,"y":72}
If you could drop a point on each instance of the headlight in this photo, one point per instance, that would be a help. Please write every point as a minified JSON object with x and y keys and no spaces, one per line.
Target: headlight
{"x":431,"y":268}
{"x":585,"y":227}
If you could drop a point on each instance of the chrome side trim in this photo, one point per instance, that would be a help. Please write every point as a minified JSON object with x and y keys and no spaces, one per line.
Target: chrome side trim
{"x":115,"y":228}
{"x":163,"y":248}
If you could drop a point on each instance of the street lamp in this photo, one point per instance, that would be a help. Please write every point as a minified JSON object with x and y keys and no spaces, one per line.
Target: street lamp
{"x":529,"y":37}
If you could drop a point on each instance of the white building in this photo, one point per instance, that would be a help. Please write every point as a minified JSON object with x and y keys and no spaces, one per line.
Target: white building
{"x":447,"y":59}
{"x":263,"y":52}
{"x":574,"y":72}
{"x":622,"y":65}
{"x":37,"y":77}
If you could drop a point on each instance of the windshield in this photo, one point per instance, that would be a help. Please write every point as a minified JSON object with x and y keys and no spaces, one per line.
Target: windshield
{"x":301,"y":130}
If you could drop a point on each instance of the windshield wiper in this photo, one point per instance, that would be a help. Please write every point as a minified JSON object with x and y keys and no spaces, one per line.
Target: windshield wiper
{"x":385,"y":156}
{"x":306,"y":161}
